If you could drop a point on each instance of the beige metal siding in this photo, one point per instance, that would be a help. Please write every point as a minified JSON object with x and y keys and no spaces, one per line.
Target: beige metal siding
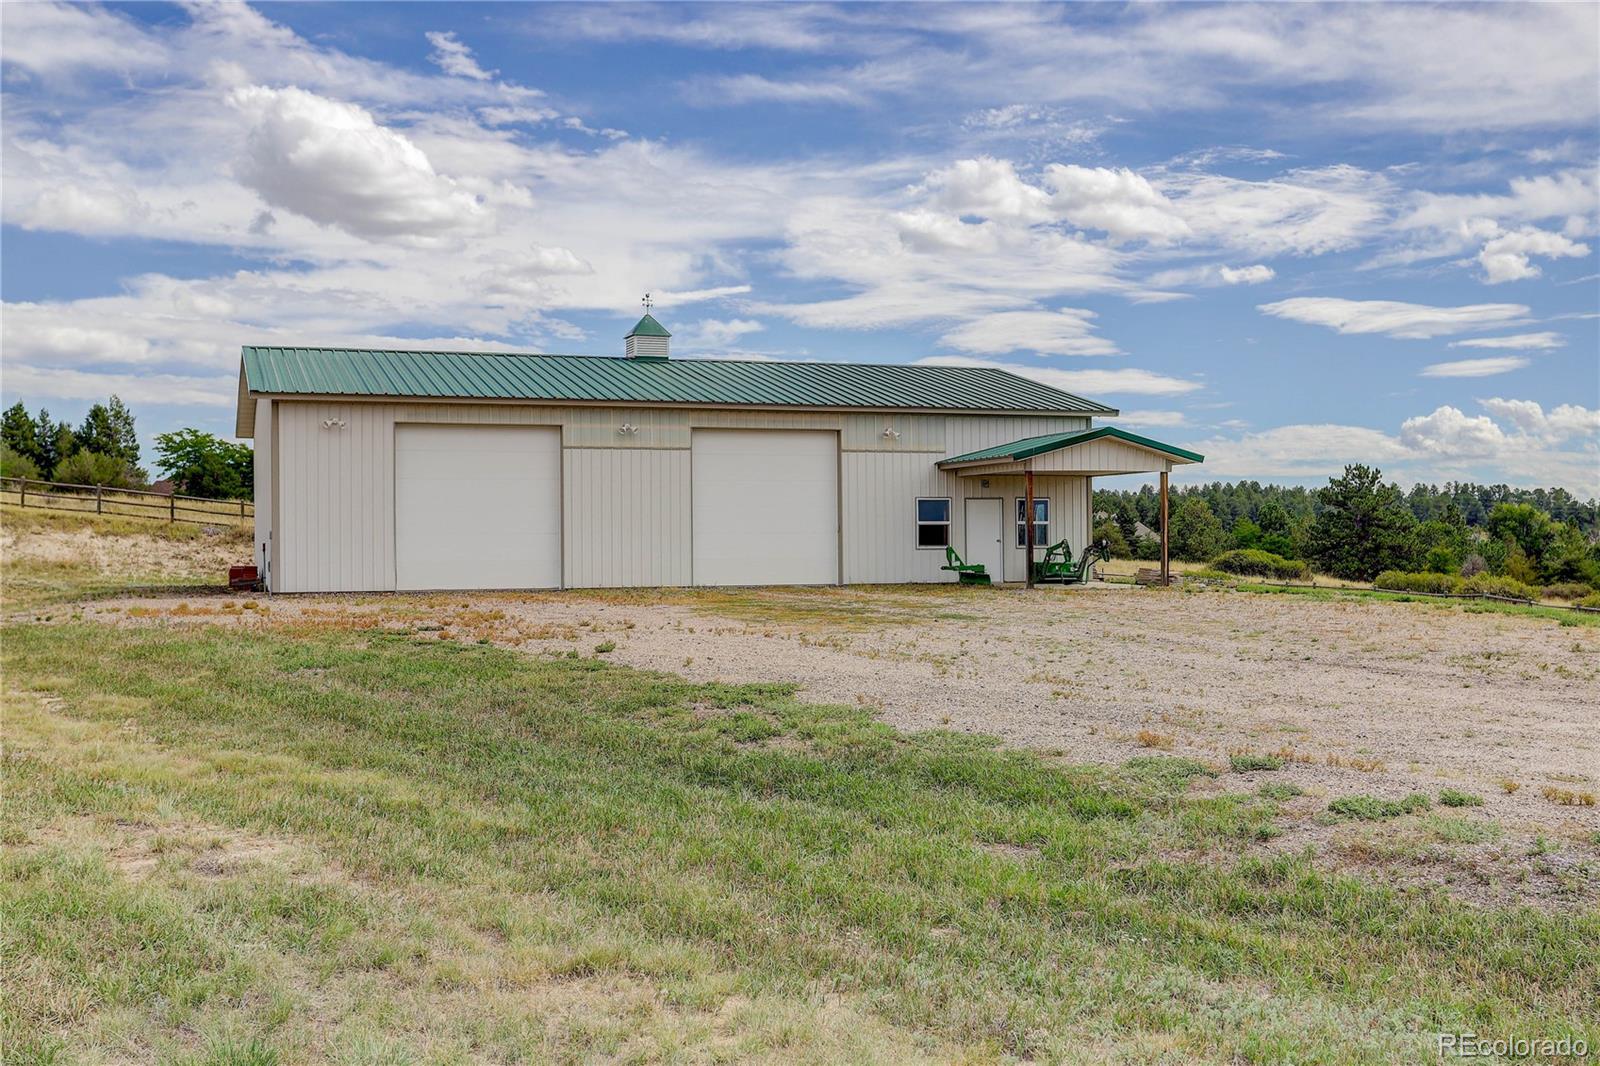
{"x":261,"y":459}
{"x":336,"y":498}
{"x":627,"y":517}
{"x":879,"y":493}
{"x":969,"y":433}
{"x":1103,"y":456}
{"x":626,"y":493}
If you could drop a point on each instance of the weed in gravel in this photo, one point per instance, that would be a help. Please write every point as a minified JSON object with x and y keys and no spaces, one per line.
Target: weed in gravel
{"x":1450,"y":797}
{"x":1566,"y":797}
{"x":1244,"y":762}
{"x":1374,"y":809}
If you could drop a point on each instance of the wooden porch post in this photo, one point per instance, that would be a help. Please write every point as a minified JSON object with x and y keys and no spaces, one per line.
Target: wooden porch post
{"x":1166,"y":572}
{"x":1027,"y":517}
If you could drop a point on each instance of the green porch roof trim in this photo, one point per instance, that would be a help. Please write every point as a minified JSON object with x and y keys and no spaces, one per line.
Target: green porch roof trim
{"x":647,"y":327}
{"x":1028,"y":447}
{"x":700,"y":382}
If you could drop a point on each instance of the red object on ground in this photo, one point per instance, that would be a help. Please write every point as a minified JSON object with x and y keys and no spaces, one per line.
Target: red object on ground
{"x":243,"y":577}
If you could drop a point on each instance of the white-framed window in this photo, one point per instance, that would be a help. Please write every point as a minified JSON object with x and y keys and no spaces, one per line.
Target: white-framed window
{"x":933,"y":522}
{"x":1041,"y":522}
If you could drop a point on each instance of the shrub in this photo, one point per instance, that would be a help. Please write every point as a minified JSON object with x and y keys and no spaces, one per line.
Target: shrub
{"x":1244,"y":762}
{"x":1473,"y":564}
{"x":91,"y":468}
{"x":1490,"y":585}
{"x":14,"y":465}
{"x":1281,"y":791}
{"x":1450,"y":797}
{"x":1566,"y":590}
{"x":1402,"y":581}
{"x":1116,"y":543}
{"x":1592,"y":600}
{"x":1260,"y":563}
{"x":1373,"y":809}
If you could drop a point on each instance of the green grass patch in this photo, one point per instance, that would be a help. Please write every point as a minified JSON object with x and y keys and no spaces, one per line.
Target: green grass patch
{"x":1554,"y":614}
{"x":1450,"y":797}
{"x":1374,"y":809}
{"x":1243,"y":763}
{"x":488,"y":855}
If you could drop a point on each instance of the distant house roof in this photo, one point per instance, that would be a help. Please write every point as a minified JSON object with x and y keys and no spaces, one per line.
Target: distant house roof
{"x":1028,"y":447}
{"x":357,"y":372}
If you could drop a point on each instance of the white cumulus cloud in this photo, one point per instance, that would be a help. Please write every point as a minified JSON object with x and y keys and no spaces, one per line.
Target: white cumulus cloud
{"x":1117,"y":201}
{"x":1506,"y":257}
{"x":333,"y":163}
{"x":1449,"y":430}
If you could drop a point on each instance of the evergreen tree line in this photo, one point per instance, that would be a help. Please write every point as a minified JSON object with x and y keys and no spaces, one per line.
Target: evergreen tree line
{"x":104,"y":450}
{"x":1357,"y":526}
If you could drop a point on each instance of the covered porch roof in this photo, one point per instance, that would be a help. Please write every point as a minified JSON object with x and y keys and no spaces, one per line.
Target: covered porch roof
{"x":1089,"y":452}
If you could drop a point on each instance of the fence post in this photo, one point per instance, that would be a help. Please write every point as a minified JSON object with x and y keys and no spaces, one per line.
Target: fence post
{"x":98,"y":509}
{"x":172,"y":507}
{"x":24,"y":502}
{"x":241,"y":510}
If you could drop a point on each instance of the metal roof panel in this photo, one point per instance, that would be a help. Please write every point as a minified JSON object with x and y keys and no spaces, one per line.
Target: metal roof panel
{"x":518,"y":376}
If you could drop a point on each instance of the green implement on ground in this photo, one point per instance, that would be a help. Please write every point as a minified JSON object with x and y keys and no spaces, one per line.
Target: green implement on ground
{"x":1057,"y":565}
{"x":966,"y":573}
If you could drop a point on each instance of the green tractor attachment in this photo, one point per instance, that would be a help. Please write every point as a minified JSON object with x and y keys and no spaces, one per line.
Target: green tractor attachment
{"x":966,"y":573}
{"x":1057,"y":565}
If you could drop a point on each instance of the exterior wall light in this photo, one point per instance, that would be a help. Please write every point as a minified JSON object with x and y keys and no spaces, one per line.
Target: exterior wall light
{"x":891,"y":434}
{"x":627,"y":429}
{"x":333,"y":423}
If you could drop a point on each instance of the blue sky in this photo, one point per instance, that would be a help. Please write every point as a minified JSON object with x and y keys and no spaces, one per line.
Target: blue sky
{"x":1287,"y":236}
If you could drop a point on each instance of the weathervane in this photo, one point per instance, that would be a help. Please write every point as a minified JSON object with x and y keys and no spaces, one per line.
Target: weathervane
{"x":648,"y":303}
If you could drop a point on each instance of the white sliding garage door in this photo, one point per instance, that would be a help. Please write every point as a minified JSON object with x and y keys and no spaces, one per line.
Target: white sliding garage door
{"x":477,"y":507}
{"x":766,"y":507}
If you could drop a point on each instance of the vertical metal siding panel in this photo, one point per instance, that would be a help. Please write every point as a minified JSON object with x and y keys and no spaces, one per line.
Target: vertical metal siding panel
{"x":880,"y":519}
{"x":289,"y":484}
{"x":261,"y":460}
{"x":582,"y":520}
{"x":573,"y":517}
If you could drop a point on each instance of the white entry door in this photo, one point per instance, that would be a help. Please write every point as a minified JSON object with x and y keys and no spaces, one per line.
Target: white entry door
{"x":766,"y":506}
{"x":477,"y":507}
{"x":986,"y":536}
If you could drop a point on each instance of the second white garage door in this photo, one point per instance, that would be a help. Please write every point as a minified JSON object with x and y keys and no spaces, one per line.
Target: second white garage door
{"x":766,"y":507}
{"x":477,"y":507}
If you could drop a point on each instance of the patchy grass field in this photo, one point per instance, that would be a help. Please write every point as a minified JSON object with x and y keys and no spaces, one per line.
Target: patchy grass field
{"x":371,"y":846}
{"x":57,"y":557}
{"x":446,"y":829}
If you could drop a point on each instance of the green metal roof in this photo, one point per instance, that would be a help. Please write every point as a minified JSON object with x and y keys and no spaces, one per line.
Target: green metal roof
{"x":699,"y":382}
{"x":1028,"y":447}
{"x":647,"y":327}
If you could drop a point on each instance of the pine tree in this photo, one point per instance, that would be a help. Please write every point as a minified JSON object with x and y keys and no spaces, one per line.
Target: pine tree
{"x":108,"y":430}
{"x":20,"y":432}
{"x":1364,"y":527}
